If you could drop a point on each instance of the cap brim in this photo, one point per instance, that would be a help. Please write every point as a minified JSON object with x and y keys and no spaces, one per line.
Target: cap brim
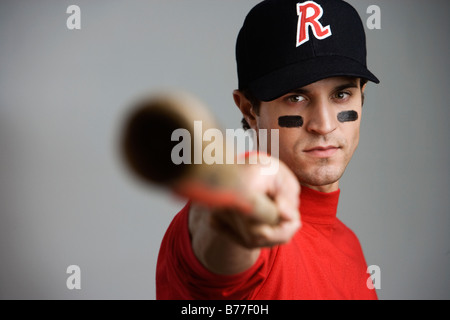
{"x":277,"y":83}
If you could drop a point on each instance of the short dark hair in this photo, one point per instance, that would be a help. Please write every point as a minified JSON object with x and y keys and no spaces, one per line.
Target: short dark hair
{"x":256,"y":103}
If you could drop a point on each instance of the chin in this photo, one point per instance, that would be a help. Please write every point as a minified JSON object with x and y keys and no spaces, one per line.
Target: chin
{"x":322,"y":176}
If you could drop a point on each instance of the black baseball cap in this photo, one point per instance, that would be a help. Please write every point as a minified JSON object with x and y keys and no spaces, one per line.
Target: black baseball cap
{"x":287,"y":44}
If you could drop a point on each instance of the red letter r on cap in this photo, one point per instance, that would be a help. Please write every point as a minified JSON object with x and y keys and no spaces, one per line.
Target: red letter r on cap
{"x":309,"y":14}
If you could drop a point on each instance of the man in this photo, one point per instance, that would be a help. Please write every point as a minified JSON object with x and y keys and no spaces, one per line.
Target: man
{"x":302,"y":71}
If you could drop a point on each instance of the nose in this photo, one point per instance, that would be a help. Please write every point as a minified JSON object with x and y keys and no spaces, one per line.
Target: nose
{"x":321,"y":119}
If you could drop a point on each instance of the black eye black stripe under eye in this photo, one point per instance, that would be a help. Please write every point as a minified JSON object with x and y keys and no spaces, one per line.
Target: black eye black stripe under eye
{"x":290,"y":121}
{"x":349,"y":115}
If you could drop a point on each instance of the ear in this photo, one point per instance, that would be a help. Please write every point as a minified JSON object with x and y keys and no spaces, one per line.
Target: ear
{"x":363,"y":87}
{"x":246,"y":108}
{"x":362,"y":93}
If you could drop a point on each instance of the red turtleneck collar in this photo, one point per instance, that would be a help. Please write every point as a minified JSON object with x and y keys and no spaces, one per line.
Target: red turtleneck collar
{"x":318,"y":207}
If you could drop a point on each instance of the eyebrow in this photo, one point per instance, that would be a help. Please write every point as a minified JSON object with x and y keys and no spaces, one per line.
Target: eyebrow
{"x":341,"y":87}
{"x":346,"y":86}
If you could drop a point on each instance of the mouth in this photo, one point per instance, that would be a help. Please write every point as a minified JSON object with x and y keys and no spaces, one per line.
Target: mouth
{"x":321,"y":151}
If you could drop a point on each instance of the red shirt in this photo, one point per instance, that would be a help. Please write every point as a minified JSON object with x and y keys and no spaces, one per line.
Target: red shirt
{"x":323,"y":260}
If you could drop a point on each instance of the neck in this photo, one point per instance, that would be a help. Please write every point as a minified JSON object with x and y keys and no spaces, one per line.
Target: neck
{"x":325,"y":188}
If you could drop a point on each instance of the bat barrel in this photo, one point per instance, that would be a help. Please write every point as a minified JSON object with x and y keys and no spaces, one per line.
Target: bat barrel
{"x":147,"y":141}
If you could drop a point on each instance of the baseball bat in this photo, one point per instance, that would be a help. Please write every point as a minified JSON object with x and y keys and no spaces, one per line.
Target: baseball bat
{"x":148,"y":144}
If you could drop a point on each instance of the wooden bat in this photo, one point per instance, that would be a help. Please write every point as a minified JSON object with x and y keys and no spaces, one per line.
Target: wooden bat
{"x":147,"y":149}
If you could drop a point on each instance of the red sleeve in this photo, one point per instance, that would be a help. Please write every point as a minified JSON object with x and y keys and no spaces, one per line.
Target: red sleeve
{"x":179,"y":274}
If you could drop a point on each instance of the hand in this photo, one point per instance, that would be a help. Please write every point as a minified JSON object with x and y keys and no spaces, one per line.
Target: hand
{"x":244,"y":228}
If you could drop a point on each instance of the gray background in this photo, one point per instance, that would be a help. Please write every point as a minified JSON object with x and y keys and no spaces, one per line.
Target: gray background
{"x":65,"y":197}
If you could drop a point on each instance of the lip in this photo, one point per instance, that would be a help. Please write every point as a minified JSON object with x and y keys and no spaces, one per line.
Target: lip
{"x":321,"y":151}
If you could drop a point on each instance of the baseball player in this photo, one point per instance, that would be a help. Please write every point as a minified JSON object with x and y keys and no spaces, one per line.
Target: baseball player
{"x":301,"y":70}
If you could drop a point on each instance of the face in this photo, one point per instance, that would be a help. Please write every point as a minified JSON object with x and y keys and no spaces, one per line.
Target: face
{"x":318,"y":129}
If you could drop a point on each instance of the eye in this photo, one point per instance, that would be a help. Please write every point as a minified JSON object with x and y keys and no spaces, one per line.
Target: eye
{"x":296,"y":98}
{"x":342,"y":95}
